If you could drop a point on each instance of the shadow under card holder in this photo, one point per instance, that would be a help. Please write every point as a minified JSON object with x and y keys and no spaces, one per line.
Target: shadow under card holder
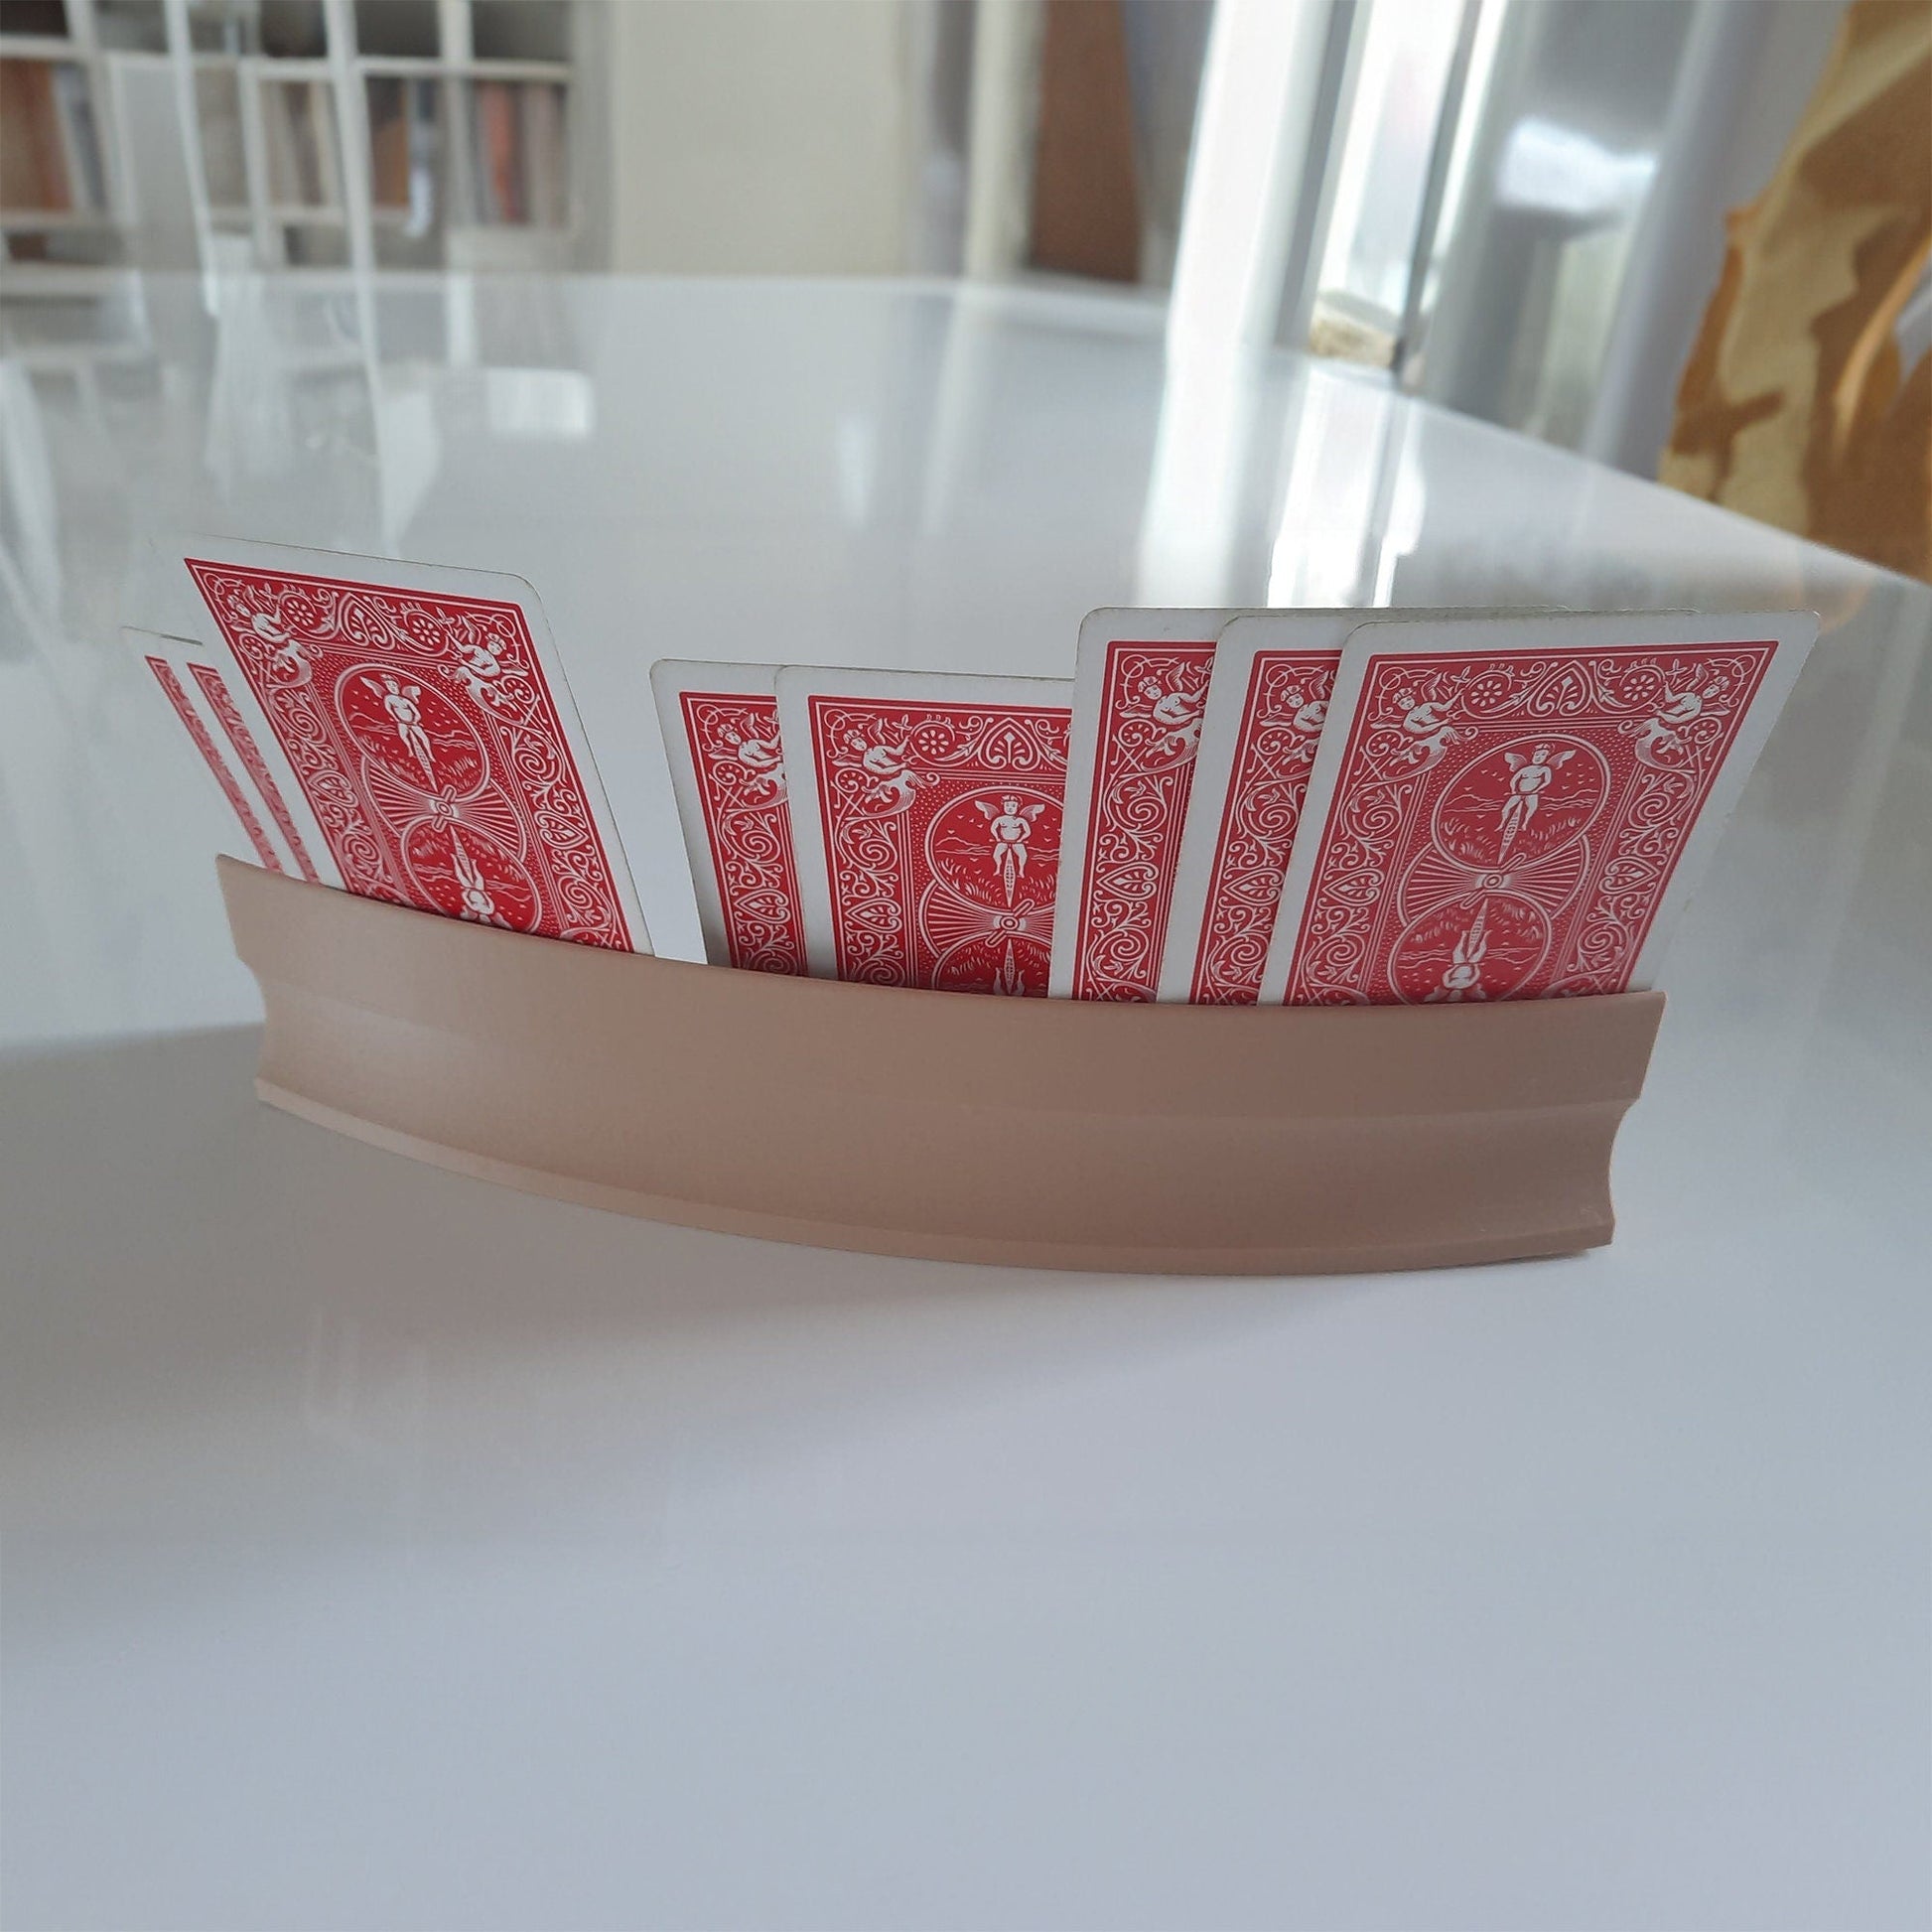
{"x":1038,"y":1133}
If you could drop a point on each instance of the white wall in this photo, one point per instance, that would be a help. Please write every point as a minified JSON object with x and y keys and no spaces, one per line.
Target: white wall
{"x":761,"y":135}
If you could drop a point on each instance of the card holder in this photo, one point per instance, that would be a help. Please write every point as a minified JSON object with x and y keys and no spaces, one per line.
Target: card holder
{"x":1034,"y":1133}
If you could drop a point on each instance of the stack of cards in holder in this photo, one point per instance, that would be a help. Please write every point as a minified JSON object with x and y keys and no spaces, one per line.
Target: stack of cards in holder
{"x":1223,"y":807}
{"x":1233,"y":808}
{"x":399,"y":731}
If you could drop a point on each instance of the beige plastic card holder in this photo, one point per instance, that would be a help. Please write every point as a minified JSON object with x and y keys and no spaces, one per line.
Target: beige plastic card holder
{"x":1038,"y":1133}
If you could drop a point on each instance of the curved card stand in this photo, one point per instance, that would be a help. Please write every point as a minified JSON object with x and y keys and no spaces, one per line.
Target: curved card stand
{"x":1044,"y":1132}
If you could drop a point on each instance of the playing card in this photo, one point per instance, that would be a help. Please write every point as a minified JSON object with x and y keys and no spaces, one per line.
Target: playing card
{"x":425,"y":721}
{"x":1266,"y":703}
{"x":1518,"y":807}
{"x":1140,"y":682}
{"x":212,"y":758}
{"x":720,"y":734}
{"x":280,"y":835}
{"x":927,"y":824}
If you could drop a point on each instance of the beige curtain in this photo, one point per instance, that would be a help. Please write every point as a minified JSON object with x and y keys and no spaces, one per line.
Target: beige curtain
{"x":1794,"y":406}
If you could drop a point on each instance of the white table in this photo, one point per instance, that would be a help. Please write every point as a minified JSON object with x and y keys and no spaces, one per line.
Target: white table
{"x":381,"y":1550}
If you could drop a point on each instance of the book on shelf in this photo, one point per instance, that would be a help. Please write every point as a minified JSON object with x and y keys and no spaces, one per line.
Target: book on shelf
{"x":520,"y":171}
{"x":403,"y":148}
{"x":32,"y":175}
{"x":389,"y":142}
{"x":50,"y":147}
{"x":498,"y":165}
{"x":545,"y":176}
{"x":299,"y":130}
{"x":79,"y":140}
{"x":424,"y":139}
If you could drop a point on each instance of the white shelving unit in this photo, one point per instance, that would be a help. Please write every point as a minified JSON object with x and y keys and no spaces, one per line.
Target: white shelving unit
{"x":337,"y":133}
{"x":60,"y":39}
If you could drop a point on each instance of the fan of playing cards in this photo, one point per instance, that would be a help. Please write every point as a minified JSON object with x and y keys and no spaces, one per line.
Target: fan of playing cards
{"x":1223,"y":807}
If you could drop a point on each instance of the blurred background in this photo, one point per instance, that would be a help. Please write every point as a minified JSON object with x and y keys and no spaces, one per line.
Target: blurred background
{"x":1684,"y":237}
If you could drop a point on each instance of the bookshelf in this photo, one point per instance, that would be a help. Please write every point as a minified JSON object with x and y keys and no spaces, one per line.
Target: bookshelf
{"x":62,"y":192}
{"x":339,"y":133}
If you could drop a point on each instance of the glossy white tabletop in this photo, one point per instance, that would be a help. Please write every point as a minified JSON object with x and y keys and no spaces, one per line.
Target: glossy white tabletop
{"x":383,"y":1550}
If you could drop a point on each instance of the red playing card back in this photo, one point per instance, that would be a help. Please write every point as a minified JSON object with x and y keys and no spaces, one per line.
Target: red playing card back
{"x":942,"y":826}
{"x":221,"y":700}
{"x":1274,"y":752}
{"x":184,"y":709}
{"x":740,"y":782}
{"x":428,"y":746}
{"x":1150,"y":718}
{"x":1505,"y":825}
